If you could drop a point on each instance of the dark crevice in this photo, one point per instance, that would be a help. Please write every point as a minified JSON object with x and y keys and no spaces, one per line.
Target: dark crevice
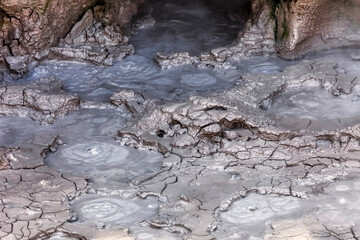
{"x":8,"y":48}
{"x":95,"y":3}
{"x":235,"y":124}
{"x":228,"y":16}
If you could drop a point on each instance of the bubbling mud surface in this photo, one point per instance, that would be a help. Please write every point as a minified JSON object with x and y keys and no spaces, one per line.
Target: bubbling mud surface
{"x":190,"y":179}
{"x":339,"y":206}
{"x":247,"y":217}
{"x":104,"y":161}
{"x":313,"y":103}
{"x":317,"y":107}
{"x":136,"y":73}
{"x":151,"y":233}
{"x":112,"y":211}
{"x":258,"y":65}
{"x":335,"y":206}
{"x":79,"y":125}
{"x":264,"y":68}
{"x":263,"y":65}
{"x":344,"y":57}
{"x":197,"y":80}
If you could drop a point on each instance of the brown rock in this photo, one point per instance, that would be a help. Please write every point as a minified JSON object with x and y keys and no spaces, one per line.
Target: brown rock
{"x":305,"y":25}
{"x":6,"y":156}
{"x":28,"y":27}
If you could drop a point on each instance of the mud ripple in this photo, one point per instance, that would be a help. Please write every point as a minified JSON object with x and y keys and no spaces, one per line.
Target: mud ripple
{"x":197,"y":80}
{"x":104,"y":160}
{"x":111,"y":211}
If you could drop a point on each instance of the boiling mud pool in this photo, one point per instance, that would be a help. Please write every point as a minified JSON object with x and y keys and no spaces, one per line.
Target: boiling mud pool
{"x":112,"y":211}
{"x":89,"y":133}
{"x":106,"y":163}
{"x":98,"y":83}
{"x":263,"y":65}
{"x":84,"y":124}
{"x":336,"y":206}
{"x":315,"y":107}
{"x":340,"y":204}
{"x":247,"y":217}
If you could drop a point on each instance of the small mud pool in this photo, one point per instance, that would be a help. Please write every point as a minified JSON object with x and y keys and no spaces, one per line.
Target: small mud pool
{"x":263,"y":65}
{"x":98,"y":83}
{"x":335,"y":206}
{"x":76,"y":126}
{"x":339,"y":205}
{"x":105,"y":162}
{"x":248,"y":217}
{"x":112,"y":211}
{"x":59,"y":236}
{"x":316,"y":108}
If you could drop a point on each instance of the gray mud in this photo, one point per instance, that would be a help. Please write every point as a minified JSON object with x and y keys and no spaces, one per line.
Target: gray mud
{"x":104,"y":163}
{"x":110,"y":211}
{"x":178,"y":146}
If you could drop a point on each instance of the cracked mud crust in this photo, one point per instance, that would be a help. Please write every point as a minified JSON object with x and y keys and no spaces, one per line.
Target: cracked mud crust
{"x":224,"y":148}
{"x":231,"y":163}
{"x":207,"y":146}
{"x":42,"y":100}
{"x":33,"y":196}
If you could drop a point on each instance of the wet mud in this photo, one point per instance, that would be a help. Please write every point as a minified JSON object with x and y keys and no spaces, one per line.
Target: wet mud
{"x":174,"y":142}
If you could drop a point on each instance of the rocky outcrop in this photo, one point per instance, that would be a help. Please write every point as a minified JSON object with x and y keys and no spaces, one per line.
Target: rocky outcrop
{"x":305,"y":26}
{"x":135,"y":102}
{"x":290,"y":28}
{"x":294,"y":28}
{"x":100,"y":36}
{"x":42,"y":100}
{"x":29,"y":28}
{"x":94,"y":39}
{"x":121,"y":12}
{"x":257,"y":38}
